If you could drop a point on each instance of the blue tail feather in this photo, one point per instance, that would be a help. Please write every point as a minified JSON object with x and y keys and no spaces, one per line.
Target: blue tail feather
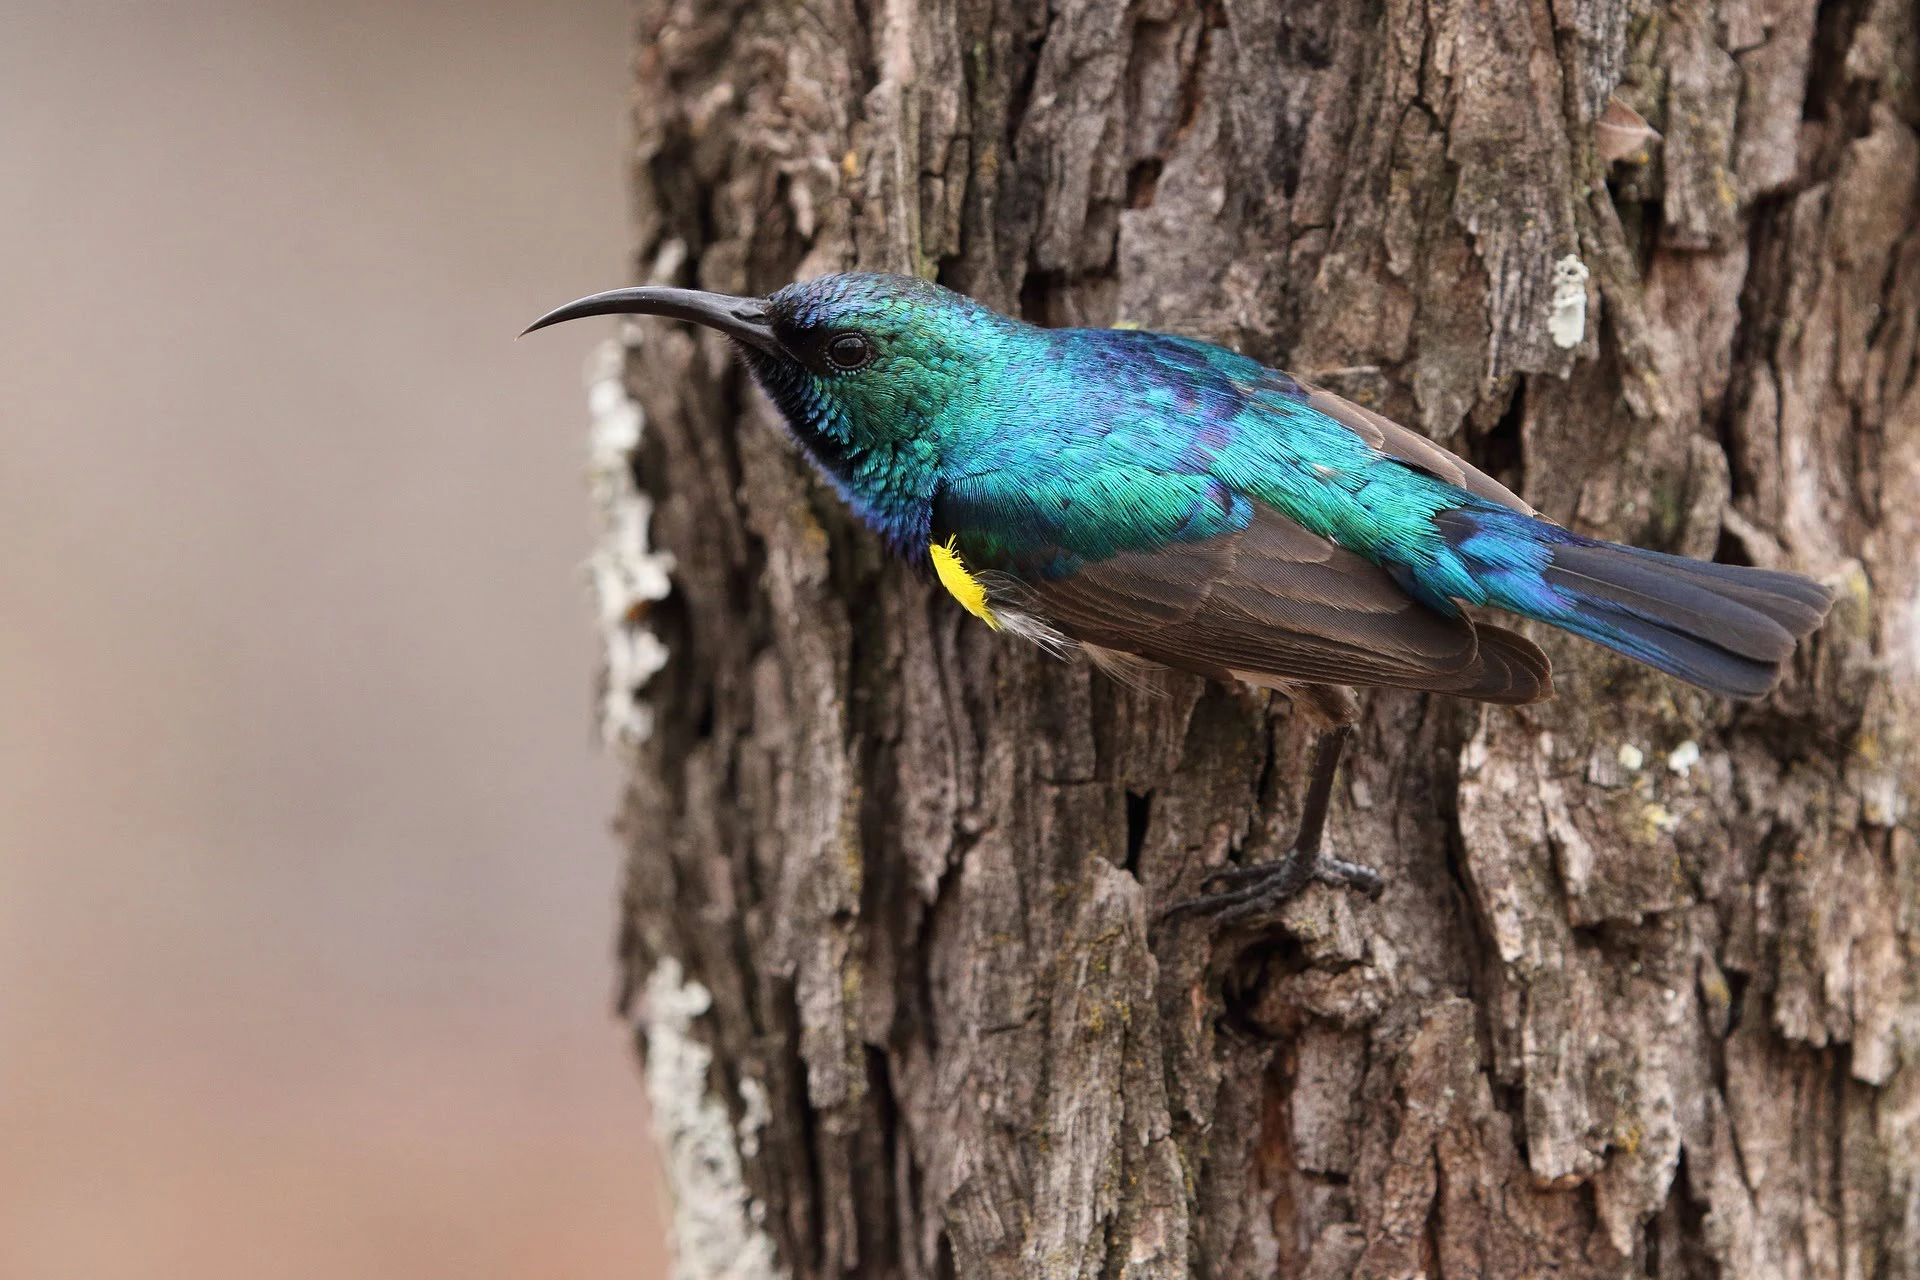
{"x":1725,"y":628}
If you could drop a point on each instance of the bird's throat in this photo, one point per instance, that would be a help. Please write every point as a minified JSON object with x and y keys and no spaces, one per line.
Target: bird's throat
{"x":888,"y":487}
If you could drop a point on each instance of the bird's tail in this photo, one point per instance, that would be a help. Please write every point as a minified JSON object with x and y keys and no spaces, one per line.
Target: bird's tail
{"x":1726,"y":628}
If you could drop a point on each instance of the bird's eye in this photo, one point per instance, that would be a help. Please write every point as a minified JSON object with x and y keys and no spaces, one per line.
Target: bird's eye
{"x":849,"y":351}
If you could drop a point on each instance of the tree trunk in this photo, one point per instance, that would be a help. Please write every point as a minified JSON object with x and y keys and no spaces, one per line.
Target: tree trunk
{"x":1643,"y":994}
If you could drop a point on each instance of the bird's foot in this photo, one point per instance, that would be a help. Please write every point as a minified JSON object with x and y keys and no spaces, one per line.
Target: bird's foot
{"x":1239,"y":894}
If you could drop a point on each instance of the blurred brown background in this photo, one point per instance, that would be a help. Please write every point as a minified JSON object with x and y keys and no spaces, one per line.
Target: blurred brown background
{"x":305,"y":892}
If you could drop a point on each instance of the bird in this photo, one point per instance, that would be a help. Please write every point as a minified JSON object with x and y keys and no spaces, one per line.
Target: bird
{"x":1157,"y":501}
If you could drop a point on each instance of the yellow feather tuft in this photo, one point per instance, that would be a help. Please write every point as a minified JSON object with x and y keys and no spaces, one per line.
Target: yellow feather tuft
{"x":960,"y":584}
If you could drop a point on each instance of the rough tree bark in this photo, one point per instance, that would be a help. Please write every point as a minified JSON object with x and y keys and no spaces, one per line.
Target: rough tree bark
{"x":1643,"y":994}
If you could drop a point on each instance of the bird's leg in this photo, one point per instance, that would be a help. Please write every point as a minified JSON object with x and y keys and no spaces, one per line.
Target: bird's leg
{"x":1244,"y":893}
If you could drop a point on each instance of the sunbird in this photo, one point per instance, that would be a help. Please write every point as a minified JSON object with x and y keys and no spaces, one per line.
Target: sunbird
{"x":1158,"y":501}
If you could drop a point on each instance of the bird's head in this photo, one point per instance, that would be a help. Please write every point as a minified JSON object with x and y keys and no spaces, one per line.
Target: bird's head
{"x":861,"y":364}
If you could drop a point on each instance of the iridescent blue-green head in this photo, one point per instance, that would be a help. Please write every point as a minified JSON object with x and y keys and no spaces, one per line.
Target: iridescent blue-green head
{"x":877,"y":375}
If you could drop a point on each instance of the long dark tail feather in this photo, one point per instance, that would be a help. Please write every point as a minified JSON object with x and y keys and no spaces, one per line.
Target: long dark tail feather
{"x":1726,"y":628}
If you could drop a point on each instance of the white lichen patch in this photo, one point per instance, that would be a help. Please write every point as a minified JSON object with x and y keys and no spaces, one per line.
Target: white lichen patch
{"x":1631,"y":757}
{"x":1567,"y":311}
{"x":1882,"y":802}
{"x":1659,"y":819}
{"x":715,"y":1218}
{"x":626,"y":572}
{"x":1683,"y":757}
{"x":755,"y":1112}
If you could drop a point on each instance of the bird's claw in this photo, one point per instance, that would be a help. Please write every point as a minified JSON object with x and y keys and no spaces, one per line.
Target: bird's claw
{"x":1350,"y":875}
{"x":1262,"y":889}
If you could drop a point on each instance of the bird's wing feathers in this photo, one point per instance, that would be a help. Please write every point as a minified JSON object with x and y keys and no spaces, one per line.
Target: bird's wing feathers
{"x":1412,"y":448}
{"x":1278,"y":602}
{"x":1271,"y":602}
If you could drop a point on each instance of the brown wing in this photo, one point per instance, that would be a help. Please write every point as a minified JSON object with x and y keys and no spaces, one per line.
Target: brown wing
{"x":1411,"y":447}
{"x":1279,"y":602}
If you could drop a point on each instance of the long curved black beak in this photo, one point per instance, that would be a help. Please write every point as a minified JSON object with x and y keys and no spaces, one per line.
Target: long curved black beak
{"x":743,"y":319}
